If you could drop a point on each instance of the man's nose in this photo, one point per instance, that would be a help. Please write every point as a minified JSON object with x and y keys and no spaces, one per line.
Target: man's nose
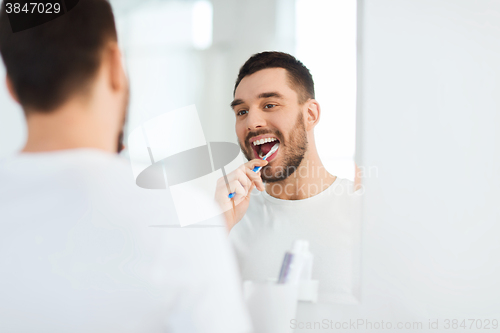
{"x":255,"y":119}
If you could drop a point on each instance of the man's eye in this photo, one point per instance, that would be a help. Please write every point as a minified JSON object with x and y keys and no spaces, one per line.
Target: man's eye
{"x":269,"y":106}
{"x":242,"y":112}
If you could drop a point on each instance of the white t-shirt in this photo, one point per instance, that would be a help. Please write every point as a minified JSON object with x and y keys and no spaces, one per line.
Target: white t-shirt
{"x":330,"y":221}
{"x":83,"y":249}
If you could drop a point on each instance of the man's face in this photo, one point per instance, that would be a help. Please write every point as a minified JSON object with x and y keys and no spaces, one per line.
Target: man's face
{"x":266,"y":107}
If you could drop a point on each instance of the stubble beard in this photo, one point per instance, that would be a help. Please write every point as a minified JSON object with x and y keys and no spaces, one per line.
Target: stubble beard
{"x":293,"y":153}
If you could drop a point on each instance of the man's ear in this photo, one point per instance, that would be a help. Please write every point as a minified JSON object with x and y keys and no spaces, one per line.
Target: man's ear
{"x":117,"y":77}
{"x":10,"y":88}
{"x":313,"y":113}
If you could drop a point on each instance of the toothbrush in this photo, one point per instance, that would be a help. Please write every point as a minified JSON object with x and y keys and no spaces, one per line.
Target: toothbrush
{"x":257,"y":168}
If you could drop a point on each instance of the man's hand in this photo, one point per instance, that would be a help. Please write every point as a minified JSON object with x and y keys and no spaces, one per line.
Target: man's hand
{"x":242,"y":181}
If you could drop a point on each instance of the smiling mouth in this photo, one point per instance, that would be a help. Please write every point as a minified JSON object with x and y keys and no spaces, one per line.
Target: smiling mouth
{"x":263,"y":146}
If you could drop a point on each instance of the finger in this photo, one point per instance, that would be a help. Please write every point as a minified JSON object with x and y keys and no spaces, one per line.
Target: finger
{"x":256,"y":179}
{"x":251,"y":189}
{"x":245,"y":181}
{"x":223,"y":189}
{"x":255,"y":162}
{"x":245,"y":175}
{"x":242,"y":198}
{"x":240,"y":191}
{"x":238,"y":174}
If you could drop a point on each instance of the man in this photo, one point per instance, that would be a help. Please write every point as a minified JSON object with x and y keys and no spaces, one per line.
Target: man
{"x":76,"y":250}
{"x":274,"y":103}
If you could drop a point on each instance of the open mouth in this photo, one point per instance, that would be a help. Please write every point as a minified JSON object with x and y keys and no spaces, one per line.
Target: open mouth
{"x":263,"y":146}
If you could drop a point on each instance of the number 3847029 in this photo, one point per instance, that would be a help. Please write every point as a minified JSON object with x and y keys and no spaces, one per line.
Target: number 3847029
{"x":474,"y":324}
{"x":33,"y":8}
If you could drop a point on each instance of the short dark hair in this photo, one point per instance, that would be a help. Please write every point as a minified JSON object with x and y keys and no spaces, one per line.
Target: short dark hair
{"x":300,"y":78}
{"x":49,"y":63}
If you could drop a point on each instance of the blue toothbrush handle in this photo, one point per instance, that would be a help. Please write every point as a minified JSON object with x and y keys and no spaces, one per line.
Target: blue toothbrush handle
{"x":256,"y":169}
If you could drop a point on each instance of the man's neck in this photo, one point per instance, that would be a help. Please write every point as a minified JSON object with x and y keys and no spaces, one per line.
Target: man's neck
{"x":309,"y":179}
{"x":69,"y":127}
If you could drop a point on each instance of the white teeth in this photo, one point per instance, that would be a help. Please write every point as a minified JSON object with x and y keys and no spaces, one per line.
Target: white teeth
{"x":262,"y":141}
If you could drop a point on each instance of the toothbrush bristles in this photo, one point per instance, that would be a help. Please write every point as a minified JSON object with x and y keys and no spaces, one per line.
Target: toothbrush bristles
{"x":272,"y":151}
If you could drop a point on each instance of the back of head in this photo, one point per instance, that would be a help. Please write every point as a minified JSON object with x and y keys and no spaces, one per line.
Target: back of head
{"x":50,"y":63}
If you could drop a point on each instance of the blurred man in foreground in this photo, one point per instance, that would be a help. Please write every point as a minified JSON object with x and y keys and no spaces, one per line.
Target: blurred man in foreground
{"x":76,"y":250}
